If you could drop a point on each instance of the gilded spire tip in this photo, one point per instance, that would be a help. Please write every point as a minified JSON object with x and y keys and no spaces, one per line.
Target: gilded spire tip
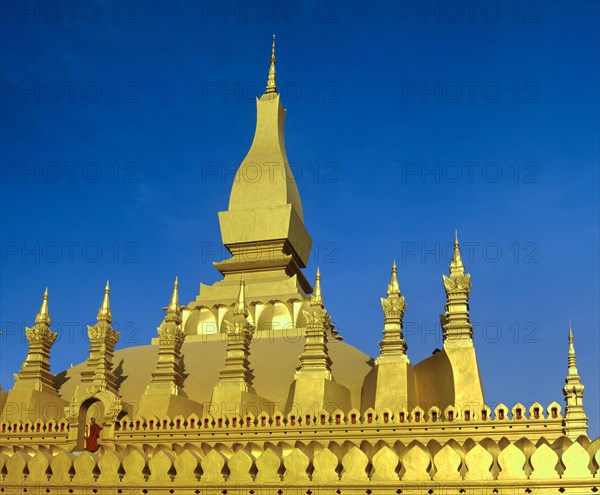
{"x":394,"y":286}
{"x":271,"y":83}
{"x":174,"y":304}
{"x":240,"y":306}
{"x":572,"y":357}
{"x":456,"y":266}
{"x":104,"y":313}
{"x":44,"y":316}
{"x":317,"y":295}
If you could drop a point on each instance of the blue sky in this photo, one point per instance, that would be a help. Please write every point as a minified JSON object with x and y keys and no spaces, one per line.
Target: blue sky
{"x":122,"y":125}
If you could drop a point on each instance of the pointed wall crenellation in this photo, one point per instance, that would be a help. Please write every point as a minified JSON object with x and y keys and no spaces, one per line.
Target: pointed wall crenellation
{"x":557,"y":468}
{"x":461,"y":417}
{"x":575,"y":418}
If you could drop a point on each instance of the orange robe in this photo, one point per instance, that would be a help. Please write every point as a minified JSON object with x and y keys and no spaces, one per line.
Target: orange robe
{"x":91,"y":442}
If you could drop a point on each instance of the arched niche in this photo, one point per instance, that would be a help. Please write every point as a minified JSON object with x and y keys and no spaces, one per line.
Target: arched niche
{"x":103,"y":404}
{"x":202,"y":321}
{"x":89,"y":408}
{"x":275,"y":318}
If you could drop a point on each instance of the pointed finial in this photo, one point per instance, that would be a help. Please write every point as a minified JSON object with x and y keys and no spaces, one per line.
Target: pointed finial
{"x":271,"y":84}
{"x":44,"y":316}
{"x":572,"y":358}
{"x":456,"y":266}
{"x":394,"y":286}
{"x":240,"y":306}
{"x":317,"y":295}
{"x":104,"y":313}
{"x":174,"y":304}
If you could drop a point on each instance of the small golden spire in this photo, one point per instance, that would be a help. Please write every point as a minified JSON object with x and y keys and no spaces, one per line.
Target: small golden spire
{"x":240,"y":306}
{"x":271,"y":84}
{"x":104,"y":313}
{"x":456,"y":266}
{"x":174,"y":304}
{"x":44,"y":316}
{"x":572,"y":358}
{"x":317,"y":296}
{"x":575,"y":419}
{"x":394,"y":286}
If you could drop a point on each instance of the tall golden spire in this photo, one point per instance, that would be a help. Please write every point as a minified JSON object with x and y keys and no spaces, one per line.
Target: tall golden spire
{"x":35,"y":372}
{"x":236,"y":375}
{"x":390,"y":383}
{"x":314,"y":387}
{"x":43,"y":316}
{"x":394,"y":306}
{"x":271,"y":84}
{"x":103,"y":338}
{"x":263,"y":227}
{"x":456,"y":326}
{"x":394,"y":286}
{"x":575,"y":421}
{"x":167,"y":378}
{"x":315,"y":357}
{"x":104,"y":313}
{"x":456,"y":266}
{"x":316,"y":299}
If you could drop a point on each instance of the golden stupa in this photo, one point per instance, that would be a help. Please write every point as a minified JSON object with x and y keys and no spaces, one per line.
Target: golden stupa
{"x":249,"y":389}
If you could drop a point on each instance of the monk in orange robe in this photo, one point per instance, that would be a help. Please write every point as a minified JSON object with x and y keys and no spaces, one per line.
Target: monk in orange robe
{"x":91,"y":439}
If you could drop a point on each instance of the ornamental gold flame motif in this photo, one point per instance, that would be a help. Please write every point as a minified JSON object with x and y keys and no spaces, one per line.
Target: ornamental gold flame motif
{"x":393,"y":307}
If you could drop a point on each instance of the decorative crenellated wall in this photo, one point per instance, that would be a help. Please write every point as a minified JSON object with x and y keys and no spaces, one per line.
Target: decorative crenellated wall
{"x":486,"y":466}
{"x":534,"y":423}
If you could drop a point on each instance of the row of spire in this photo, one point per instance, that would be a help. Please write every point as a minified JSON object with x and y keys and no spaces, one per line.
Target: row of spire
{"x":316,"y":299}
{"x":36,"y":367}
